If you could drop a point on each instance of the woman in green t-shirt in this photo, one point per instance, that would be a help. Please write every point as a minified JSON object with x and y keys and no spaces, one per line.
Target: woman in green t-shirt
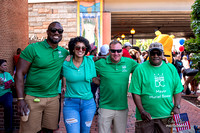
{"x":79,"y":105}
{"x":6,"y":97}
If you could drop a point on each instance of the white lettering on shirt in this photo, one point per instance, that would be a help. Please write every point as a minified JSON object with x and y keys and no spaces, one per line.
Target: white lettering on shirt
{"x":159,"y":80}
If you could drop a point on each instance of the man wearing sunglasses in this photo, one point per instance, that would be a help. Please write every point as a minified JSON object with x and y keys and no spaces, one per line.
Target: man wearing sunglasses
{"x":42,"y":62}
{"x":154,"y":84}
{"x":114,"y":74}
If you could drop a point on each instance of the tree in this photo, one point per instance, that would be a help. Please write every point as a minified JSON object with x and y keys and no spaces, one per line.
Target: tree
{"x":193,"y":44}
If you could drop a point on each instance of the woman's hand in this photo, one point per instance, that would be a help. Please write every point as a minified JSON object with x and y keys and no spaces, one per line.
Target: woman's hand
{"x":68,"y":58}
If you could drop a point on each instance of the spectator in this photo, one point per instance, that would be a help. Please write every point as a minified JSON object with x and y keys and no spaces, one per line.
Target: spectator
{"x":42,"y":61}
{"x":190,"y":79}
{"x":179,"y":65}
{"x":6,"y":98}
{"x":127,"y":47}
{"x":94,"y":51}
{"x":154,"y":84}
{"x":135,"y":54}
{"x":16,"y":58}
{"x":79,"y":106}
{"x":114,"y":74}
{"x":185,"y":62}
{"x":104,"y":50}
{"x":185,"y":66}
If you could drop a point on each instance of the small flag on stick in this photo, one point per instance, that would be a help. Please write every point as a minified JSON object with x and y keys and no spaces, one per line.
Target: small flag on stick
{"x":181,"y":122}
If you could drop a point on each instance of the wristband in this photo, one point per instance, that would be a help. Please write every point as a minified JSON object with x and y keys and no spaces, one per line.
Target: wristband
{"x":20,"y":98}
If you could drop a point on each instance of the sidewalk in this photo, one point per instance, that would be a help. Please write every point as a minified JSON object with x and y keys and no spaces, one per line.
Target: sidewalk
{"x":186,"y":107}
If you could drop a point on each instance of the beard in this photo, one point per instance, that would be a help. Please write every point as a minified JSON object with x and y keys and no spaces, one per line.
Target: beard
{"x":54,"y":41}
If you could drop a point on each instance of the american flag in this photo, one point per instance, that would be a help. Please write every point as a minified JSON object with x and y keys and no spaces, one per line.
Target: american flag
{"x":181,"y":122}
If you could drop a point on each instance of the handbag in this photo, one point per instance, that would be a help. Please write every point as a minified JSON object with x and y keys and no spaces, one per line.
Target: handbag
{"x":190,"y":72}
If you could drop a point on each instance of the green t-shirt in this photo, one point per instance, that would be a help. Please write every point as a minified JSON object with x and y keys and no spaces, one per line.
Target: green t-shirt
{"x":156,"y":87}
{"x":5,"y":77}
{"x":76,"y":84}
{"x":114,"y":82}
{"x":44,"y":73}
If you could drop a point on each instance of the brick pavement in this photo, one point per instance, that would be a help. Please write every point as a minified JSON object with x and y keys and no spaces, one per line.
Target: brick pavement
{"x":192,"y":110}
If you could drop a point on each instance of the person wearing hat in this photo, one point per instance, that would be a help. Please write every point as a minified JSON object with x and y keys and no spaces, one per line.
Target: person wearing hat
{"x":104,"y":50}
{"x":127,"y":47}
{"x":154,"y":84}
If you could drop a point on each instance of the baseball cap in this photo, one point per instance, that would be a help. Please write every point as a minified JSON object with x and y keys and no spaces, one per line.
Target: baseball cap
{"x":127,"y":44}
{"x":104,"y":49}
{"x":156,"y":45}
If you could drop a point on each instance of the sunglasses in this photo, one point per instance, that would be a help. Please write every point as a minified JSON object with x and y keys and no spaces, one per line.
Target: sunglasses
{"x":53,"y":30}
{"x":115,"y":50}
{"x":152,"y":53}
{"x":78,"y":48}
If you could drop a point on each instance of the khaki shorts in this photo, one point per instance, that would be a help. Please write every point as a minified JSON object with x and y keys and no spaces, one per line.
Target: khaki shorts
{"x":43,"y":114}
{"x":107,"y":116}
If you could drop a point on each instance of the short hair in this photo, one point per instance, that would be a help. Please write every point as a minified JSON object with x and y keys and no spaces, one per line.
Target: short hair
{"x":73,"y":42}
{"x":2,"y":61}
{"x":185,"y":57}
{"x":115,"y":42}
{"x":19,"y":50}
{"x":53,"y":23}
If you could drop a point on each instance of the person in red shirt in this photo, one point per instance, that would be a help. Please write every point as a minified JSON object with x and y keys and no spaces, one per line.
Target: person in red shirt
{"x":127,"y":47}
{"x":16,"y":58}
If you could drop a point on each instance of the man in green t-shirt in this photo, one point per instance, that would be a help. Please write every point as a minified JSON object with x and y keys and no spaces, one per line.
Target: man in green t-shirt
{"x":154,"y":84}
{"x":114,"y":74}
{"x":42,"y":62}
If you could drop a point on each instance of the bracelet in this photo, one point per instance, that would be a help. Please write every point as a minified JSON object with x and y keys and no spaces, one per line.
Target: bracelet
{"x":20,"y":98}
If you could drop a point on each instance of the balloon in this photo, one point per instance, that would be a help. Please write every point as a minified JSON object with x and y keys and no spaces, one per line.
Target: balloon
{"x":181,"y":48}
{"x":182,"y":41}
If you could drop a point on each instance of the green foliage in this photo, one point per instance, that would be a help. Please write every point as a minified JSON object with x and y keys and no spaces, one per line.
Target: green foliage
{"x":195,"y":18}
{"x":196,"y":64}
{"x":143,"y":44}
{"x":193,"y":44}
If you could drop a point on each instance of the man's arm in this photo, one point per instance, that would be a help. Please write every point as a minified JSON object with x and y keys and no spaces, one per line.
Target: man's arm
{"x":144,"y":115}
{"x":22,"y":68}
{"x":177,"y":101}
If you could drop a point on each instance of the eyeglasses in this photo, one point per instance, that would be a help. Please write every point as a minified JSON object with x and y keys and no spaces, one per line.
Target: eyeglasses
{"x":78,"y":48}
{"x":115,"y":50}
{"x":152,"y":53}
{"x":53,"y":30}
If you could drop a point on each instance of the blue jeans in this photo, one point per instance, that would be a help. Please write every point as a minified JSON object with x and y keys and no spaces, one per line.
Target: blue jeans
{"x":78,"y":114}
{"x":6,"y":100}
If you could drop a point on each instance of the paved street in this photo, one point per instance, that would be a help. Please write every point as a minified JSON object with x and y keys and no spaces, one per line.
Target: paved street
{"x":192,"y":110}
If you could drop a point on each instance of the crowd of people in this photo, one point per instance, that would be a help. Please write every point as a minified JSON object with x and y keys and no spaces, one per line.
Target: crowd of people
{"x":44,"y":70}
{"x":182,"y":62}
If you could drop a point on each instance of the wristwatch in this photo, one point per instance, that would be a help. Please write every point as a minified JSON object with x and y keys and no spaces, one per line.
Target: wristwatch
{"x":178,"y":106}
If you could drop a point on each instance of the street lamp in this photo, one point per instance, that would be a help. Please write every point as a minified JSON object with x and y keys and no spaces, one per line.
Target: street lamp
{"x":123,"y":36}
{"x":118,"y":39}
{"x":132,"y":33}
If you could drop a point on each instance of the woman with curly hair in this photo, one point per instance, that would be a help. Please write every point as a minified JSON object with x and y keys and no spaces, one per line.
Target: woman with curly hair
{"x":79,"y":106}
